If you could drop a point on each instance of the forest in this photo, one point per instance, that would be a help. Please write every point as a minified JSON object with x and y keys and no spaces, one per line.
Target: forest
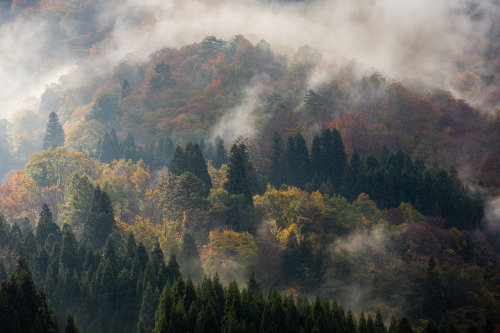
{"x":224,"y":186}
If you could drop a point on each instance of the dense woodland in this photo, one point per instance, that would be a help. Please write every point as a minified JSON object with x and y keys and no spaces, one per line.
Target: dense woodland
{"x":214,"y":188}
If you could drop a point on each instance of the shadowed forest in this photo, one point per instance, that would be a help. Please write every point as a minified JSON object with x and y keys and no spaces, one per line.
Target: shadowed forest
{"x":225,"y":185}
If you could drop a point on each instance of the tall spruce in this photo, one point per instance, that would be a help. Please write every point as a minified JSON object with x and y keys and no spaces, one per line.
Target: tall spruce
{"x":237,"y":176}
{"x":46,"y":226}
{"x":338,"y":159}
{"x":220,"y":153}
{"x":276,"y":171}
{"x":54,"y":135}
{"x":101,"y":219}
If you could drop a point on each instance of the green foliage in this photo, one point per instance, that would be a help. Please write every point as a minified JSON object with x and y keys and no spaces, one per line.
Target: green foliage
{"x":100,"y":221}
{"x":237,"y":173}
{"x":54,"y":135}
{"x":78,"y":201}
{"x":105,"y":109}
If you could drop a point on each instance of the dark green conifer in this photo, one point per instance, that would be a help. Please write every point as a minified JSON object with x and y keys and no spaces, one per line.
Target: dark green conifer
{"x":220,"y":153}
{"x":54,"y":135}
{"x":46,"y":226}
{"x":237,"y":175}
{"x":101,"y":219}
{"x":71,"y":326}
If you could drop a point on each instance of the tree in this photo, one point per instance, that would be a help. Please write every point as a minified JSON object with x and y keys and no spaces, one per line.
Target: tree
{"x":220,"y":153}
{"x":189,"y":258}
{"x":46,"y":226}
{"x":183,"y":197}
{"x":237,"y":176}
{"x":434,"y":299}
{"x":109,"y":149}
{"x":197,"y":165}
{"x":339,"y":160}
{"x":78,"y":200}
{"x":54,"y":135}
{"x":276,"y":172}
{"x":163,"y":78}
{"x":105,"y":109}
{"x":71,"y":326}
{"x":101,"y":219}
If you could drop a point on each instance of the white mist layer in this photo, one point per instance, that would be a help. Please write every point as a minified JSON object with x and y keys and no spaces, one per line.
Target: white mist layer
{"x":240,"y":121}
{"x":420,"y":38}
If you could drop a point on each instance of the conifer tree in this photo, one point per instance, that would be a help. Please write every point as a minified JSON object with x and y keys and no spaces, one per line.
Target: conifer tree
{"x":109,"y":149}
{"x":220,"y":153}
{"x":302,"y":162}
{"x":129,"y":150}
{"x":78,"y":200}
{"x":434,"y":299}
{"x":237,"y":175}
{"x":54,"y":135}
{"x":276,"y":172}
{"x":189,"y":258}
{"x":46,"y":226}
{"x":101,"y":219}
{"x":197,"y":165}
{"x":71,"y":326}
{"x":339,"y":160}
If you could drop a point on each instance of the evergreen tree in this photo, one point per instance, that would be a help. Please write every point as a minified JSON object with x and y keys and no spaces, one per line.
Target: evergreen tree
{"x":179,"y":163}
{"x":237,"y":175}
{"x":339,"y":160}
{"x":71,"y":326}
{"x":129,"y":150}
{"x":434,"y":299}
{"x":276,"y":172}
{"x":163,"y":78}
{"x":46,"y":226}
{"x":197,"y":165}
{"x":101,"y":219}
{"x":54,"y":135}
{"x":105,"y":109}
{"x":78,"y":200}
{"x":125,"y":88}
{"x":109,"y":149}
{"x":220,"y":153}
{"x":302,"y":162}
{"x":189,"y":258}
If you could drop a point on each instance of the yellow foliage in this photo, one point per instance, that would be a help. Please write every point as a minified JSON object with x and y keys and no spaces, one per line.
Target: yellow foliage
{"x":229,"y":245}
{"x":410,"y":214}
{"x":218,"y":176}
{"x":168,"y":233}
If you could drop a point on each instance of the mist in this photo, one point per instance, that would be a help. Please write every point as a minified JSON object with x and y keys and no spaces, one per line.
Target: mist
{"x":434,"y":41}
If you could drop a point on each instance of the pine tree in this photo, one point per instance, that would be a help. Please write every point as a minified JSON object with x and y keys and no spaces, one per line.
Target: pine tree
{"x":276,"y":172}
{"x":105,"y":109}
{"x":197,"y":165}
{"x":78,"y":200}
{"x":237,"y":175}
{"x":71,"y":326}
{"x":109,"y":149}
{"x":220,"y":153}
{"x":302,"y":162}
{"x":163,"y":78}
{"x":339,"y":160}
{"x":54,"y":135}
{"x":434,"y":299}
{"x":129,"y":150}
{"x":46,"y":227}
{"x":101,"y":219}
{"x":189,"y":258}
{"x":179,"y":162}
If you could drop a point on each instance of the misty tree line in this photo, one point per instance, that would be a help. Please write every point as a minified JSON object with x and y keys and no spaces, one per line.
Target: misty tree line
{"x":121,"y":287}
{"x":389,"y":180}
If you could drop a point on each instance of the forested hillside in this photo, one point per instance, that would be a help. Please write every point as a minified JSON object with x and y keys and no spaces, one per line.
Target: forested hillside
{"x":225,"y":185}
